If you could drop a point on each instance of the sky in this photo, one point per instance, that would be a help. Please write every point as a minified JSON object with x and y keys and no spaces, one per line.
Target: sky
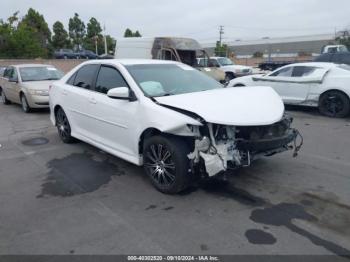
{"x":199,"y":19}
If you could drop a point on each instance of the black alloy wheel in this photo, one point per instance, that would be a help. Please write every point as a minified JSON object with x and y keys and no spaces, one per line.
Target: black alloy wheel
{"x":166,"y":163}
{"x":334,"y":104}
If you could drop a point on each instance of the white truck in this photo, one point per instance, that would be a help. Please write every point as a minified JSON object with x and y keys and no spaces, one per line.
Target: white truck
{"x":230,"y":69}
{"x":334,"y":49}
{"x":185,"y":50}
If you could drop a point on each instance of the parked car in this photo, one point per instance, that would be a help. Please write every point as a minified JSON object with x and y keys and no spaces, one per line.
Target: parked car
{"x":87,"y":54}
{"x":185,"y":50}
{"x":66,"y":54}
{"x":322,"y":85}
{"x":28,"y":85}
{"x":169,"y":118}
{"x":228,"y":67}
{"x":337,"y":58}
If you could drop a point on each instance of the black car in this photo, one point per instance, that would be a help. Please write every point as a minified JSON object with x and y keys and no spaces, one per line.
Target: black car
{"x":87,"y":54}
{"x":66,"y":54}
{"x":337,"y":58}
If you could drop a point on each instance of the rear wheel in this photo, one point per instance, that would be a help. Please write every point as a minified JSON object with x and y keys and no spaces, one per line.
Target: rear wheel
{"x":166,"y":163}
{"x":63,"y":127}
{"x":3,"y":98}
{"x":334,"y":104}
{"x":25,"y":106}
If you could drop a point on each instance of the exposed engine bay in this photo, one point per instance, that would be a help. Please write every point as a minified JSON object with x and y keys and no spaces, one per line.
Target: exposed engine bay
{"x":221,"y":147}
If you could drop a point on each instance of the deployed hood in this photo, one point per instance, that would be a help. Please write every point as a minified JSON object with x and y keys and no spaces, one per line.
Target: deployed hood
{"x":37,"y":85}
{"x":252,"y":106}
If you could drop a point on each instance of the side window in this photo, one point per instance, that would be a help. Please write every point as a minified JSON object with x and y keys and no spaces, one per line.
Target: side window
{"x":301,"y":71}
{"x":85,"y":76}
{"x":167,"y":55}
{"x":109,"y":78}
{"x":284,"y":72}
{"x":14,"y":74}
{"x":7,"y":72}
{"x":71,"y":79}
{"x":213,"y":62}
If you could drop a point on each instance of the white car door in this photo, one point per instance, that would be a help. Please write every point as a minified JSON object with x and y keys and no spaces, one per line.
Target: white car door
{"x":114,"y":121}
{"x":76,"y":95}
{"x":12,"y":86}
{"x":293,"y":83}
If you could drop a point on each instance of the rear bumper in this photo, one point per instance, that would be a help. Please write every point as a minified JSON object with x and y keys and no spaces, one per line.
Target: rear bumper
{"x":264,"y":145}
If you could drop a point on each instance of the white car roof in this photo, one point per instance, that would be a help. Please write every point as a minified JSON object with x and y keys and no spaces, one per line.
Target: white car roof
{"x":131,"y":61}
{"x":31,"y":65}
{"x":315,"y":64}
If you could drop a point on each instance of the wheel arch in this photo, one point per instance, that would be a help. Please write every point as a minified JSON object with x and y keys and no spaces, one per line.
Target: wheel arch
{"x":333,"y":90}
{"x":239,"y":85}
{"x":149,"y":132}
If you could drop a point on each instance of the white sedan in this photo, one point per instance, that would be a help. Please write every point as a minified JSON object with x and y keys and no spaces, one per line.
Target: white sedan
{"x":322,"y":85}
{"x":170,"y":118}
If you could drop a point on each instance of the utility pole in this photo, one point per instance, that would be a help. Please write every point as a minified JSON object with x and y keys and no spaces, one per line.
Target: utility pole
{"x":221,"y":32}
{"x":105,"y":38}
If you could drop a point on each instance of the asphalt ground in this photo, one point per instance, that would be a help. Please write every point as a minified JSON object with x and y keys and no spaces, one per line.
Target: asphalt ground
{"x":75,"y":199}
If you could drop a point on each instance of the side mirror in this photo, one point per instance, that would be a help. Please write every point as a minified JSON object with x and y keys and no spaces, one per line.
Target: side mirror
{"x":119,"y":93}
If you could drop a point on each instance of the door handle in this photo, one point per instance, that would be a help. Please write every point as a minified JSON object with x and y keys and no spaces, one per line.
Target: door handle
{"x":64,"y":92}
{"x":92,"y":101}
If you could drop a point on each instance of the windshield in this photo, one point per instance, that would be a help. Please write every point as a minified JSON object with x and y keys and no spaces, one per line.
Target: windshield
{"x":40,"y":73}
{"x":225,"y":61}
{"x":170,"y":79}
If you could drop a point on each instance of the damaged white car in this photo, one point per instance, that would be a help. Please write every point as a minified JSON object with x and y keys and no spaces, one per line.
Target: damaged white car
{"x":170,"y":118}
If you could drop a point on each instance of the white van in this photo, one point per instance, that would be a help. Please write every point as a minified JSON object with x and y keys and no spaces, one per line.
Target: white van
{"x":185,"y":50}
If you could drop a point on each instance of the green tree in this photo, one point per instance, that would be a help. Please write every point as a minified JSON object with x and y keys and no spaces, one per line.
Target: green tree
{"x":129,"y":33}
{"x":94,"y":36}
{"x":37,"y":23}
{"x":344,"y":38}
{"x":60,"y":37}
{"x":24,"y":44}
{"x":110,"y":44}
{"x":221,"y":49}
{"x":137,"y":34}
{"x":76,"y":30}
{"x":93,"y":28}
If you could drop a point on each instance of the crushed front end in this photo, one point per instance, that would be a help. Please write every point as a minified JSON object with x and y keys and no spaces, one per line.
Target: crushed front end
{"x":220,"y":148}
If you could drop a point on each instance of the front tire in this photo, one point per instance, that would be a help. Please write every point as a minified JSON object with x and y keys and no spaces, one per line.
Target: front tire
{"x":166,"y":163}
{"x":334,"y":104}
{"x":63,"y":127}
{"x":24,"y":103}
{"x":3,"y":98}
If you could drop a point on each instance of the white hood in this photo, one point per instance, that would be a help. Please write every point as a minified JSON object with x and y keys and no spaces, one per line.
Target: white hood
{"x":37,"y":85}
{"x":252,"y":106}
